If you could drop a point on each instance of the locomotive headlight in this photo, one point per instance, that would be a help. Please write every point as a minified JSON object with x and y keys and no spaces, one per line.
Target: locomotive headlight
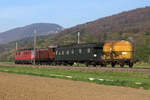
{"x":95,"y":55}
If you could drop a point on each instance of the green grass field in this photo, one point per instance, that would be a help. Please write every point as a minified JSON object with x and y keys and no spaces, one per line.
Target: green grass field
{"x":126,"y":79}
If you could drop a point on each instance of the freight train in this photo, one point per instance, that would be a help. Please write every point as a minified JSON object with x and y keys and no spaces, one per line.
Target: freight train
{"x":113,"y":53}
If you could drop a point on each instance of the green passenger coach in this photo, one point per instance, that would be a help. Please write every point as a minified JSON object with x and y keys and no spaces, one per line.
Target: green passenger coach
{"x":89,"y":54}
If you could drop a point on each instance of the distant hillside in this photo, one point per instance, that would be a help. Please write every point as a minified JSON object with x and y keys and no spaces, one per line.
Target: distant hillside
{"x":27,"y":31}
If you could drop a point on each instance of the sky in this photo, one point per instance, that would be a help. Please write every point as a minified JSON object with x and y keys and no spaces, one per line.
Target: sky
{"x":67,"y":13}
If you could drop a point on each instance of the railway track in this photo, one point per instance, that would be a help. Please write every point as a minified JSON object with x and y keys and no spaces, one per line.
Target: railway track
{"x":145,"y":70}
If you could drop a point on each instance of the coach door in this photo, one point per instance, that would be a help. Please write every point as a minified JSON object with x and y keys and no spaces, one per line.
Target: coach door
{"x":76,"y":54}
{"x":98,"y":52}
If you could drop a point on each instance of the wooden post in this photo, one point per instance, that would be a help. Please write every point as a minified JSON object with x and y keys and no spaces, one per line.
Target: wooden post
{"x":34,"y":46}
{"x":78,"y":37}
{"x":16,"y":46}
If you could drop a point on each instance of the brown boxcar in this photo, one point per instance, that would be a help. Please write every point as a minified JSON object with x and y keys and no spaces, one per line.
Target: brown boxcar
{"x":45,"y":55}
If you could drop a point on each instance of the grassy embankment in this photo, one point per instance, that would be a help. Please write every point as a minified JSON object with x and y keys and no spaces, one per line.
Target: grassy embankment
{"x":126,"y":79}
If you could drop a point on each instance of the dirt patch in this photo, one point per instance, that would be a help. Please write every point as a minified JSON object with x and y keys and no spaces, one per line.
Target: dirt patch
{"x":25,"y":87}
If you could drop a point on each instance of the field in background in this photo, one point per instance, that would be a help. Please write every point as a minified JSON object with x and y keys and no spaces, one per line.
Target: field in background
{"x":126,"y":79}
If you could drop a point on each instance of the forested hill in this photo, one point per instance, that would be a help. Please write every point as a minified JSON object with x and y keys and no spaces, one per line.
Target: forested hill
{"x":135,"y":21}
{"x":133,"y":26}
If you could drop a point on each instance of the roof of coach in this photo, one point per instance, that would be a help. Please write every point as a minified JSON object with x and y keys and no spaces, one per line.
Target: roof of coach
{"x":100,"y":44}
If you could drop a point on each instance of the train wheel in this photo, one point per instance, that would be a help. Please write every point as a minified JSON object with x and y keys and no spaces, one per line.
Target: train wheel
{"x":94,"y":65}
{"x":54,"y":63}
{"x":71,"y":64}
{"x":121,"y":65}
{"x":87,"y":64}
{"x":59,"y":63}
{"x":16,"y":62}
{"x":103,"y":65}
{"x":131,"y":64}
{"x":113,"y":64}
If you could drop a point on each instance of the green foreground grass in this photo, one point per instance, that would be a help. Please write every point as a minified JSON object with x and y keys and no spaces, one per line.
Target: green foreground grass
{"x":126,"y":79}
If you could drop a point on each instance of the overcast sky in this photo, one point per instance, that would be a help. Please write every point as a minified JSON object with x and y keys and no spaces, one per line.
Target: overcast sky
{"x":68,"y":13}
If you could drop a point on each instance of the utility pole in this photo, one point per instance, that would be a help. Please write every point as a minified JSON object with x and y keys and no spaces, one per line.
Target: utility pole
{"x":34,"y":46}
{"x":78,"y":37}
{"x":16,"y":46}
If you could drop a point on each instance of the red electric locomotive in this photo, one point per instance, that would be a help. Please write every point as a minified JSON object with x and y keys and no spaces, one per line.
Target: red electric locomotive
{"x":24,"y":56}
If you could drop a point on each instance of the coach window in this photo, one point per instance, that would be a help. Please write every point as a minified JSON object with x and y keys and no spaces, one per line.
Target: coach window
{"x":80,"y":51}
{"x":56,"y":52}
{"x":62,"y":52}
{"x":59,"y":52}
{"x":72,"y":51}
{"x":88,"y":50}
{"x":67,"y":52}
